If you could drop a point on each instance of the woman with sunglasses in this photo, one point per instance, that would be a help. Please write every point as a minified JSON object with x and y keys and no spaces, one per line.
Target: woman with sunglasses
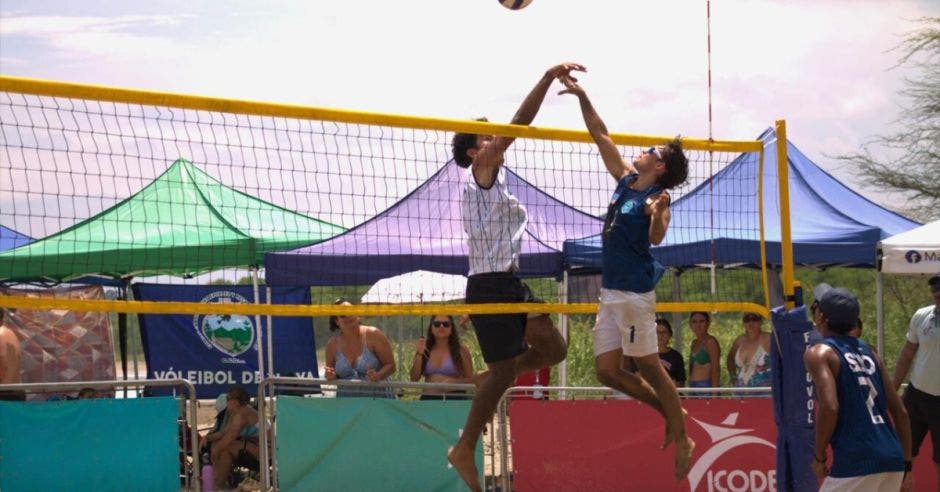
{"x":358,"y":352}
{"x":749,"y":358}
{"x":441,"y":358}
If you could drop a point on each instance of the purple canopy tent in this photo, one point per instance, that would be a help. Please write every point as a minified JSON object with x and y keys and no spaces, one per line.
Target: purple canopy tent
{"x":424,"y":231}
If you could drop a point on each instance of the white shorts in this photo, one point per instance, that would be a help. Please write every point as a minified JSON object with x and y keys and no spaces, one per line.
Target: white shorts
{"x":876,"y":482}
{"x":626,"y":320}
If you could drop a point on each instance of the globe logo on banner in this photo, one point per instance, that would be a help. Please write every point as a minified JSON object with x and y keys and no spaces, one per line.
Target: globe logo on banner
{"x":724,"y":465}
{"x":912,"y":256}
{"x":232,"y":334}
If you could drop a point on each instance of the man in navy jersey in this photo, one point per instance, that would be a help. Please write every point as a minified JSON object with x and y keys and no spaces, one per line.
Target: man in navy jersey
{"x":638,"y":216}
{"x":860,"y":416}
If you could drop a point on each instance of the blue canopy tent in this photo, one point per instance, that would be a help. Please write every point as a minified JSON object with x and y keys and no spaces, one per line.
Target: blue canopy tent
{"x":831,"y":224}
{"x":10,"y":239}
{"x":424,"y":231}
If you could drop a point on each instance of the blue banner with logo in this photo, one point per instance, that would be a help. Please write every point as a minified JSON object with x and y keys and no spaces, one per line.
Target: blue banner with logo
{"x":215,"y":352}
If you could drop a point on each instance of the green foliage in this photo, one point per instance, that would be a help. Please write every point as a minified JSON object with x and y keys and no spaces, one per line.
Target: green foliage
{"x":909,"y":160}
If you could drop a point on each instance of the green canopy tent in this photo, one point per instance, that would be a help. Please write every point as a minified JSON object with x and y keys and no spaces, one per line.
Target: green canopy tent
{"x":183,"y":223}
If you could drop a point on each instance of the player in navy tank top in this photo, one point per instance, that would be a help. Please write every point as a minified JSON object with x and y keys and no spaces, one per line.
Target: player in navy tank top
{"x":860,"y":417}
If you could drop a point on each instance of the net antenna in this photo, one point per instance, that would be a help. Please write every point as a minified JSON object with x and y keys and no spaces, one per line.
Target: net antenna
{"x":711,"y":170}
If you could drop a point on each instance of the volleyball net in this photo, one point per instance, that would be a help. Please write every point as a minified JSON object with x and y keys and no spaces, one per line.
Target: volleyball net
{"x":126,"y":185}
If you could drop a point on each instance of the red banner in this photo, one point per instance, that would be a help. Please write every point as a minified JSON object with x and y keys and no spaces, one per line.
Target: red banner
{"x":601,"y":445}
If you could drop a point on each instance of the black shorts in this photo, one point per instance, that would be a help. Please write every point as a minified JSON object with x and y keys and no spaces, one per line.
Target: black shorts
{"x":924,"y":412}
{"x":501,"y":336}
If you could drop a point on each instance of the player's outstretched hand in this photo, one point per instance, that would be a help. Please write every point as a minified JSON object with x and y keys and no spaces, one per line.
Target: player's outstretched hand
{"x":564,"y":70}
{"x":571,"y":86}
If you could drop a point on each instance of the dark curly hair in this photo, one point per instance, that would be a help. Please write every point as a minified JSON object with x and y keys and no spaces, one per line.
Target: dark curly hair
{"x":677,"y":165}
{"x":461,"y":143}
{"x":453,"y":344}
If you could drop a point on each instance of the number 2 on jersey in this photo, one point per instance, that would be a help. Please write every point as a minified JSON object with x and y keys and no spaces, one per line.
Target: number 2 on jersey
{"x":870,"y":402}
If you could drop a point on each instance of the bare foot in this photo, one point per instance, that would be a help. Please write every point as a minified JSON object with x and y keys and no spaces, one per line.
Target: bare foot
{"x":670,"y":436}
{"x":684,"y":450}
{"x":463,"y":461}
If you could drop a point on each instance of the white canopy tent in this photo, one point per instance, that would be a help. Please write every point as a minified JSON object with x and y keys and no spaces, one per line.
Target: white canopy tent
{"x":912,"y":252}
{"x":417,"y":287}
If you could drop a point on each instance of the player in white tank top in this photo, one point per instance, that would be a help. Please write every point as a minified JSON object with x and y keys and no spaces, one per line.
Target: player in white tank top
{"x":495,"y":222}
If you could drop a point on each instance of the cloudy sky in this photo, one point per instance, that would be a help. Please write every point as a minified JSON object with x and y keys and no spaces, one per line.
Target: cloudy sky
{"x":823,"y":66}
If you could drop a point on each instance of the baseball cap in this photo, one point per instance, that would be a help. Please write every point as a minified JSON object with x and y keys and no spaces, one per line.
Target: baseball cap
{"x":820,"y":290}
{"x":934,"y":283}
{"x":838,"y":305}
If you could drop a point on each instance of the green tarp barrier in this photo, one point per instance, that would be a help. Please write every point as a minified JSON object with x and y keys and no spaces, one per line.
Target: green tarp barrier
{"x":93,"y":445}
{"x":346,"y":444}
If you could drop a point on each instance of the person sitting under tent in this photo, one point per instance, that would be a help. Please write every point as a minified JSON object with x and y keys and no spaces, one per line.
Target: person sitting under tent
{"x":237,"y":437}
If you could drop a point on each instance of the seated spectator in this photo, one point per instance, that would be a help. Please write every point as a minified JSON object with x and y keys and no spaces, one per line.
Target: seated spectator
{"x":359,"y":353}
{"x":749,"y":358}
{"x":705,"y":356}
{"x":238,"y":434}
{"x":441,"y":358}
{"x":87,"y":394}
{"x":669,"y":357}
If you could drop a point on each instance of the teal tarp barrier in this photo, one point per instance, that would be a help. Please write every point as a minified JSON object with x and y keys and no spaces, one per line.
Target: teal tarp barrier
{"x":93,"y":445}
{"x":345,"y":444}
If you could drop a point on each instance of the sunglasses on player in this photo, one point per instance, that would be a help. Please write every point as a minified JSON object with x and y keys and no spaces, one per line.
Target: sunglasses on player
{"x":653,"y":150}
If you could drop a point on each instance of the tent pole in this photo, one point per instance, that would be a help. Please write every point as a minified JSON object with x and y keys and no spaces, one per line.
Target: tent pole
{"x":122,"y":336}
{"x":563,"y":327}
{"x":880,"y":311}
{"x":254,"y":284}
{"x":676,"y":317}
{"x":270,"y":335}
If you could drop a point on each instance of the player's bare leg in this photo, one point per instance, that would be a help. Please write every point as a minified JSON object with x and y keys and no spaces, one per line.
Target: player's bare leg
{"x":653,"y":372}
{"x":499,"y":378}
{"x":611,"y":374}
{"x":546,"y":345}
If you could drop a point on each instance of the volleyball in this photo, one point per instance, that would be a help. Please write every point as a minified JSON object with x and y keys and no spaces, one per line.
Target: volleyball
{"x":515,"y":4}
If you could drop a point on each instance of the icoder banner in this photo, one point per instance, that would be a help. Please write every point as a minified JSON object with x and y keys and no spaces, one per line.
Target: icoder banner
{"x":217,"y":351}
{"x":613,"y":445}
{"x":346,"y":444}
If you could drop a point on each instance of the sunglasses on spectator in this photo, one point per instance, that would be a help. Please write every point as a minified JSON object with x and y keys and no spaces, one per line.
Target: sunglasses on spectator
{"x":439,"y":324}
{"x":751,"y":318}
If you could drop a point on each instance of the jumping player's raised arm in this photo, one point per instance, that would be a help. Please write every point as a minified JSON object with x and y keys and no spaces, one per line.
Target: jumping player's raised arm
{"x":487,"y":160}
{"x":617,"y":167}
